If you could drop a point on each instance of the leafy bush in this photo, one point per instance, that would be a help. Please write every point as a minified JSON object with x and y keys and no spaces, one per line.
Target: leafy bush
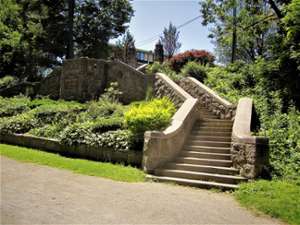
{"x":195,"y":70}
{"x":153,"y":115}
{"x":118,"y":140}
{"x":13,"y":106}
{"x":112,"y":93}
{"x":7,"y":81}
{"x":163,"y":68}
{"x":49,"y":130}
{"x":21,"y":123}
{"x":201,"y":56}
{"x":76,"y":133}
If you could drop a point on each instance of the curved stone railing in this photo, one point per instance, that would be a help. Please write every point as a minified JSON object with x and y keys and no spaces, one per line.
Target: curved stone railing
{"x":249,"y":153}
{"x":208,"y":98}
{"x":161,"y":147}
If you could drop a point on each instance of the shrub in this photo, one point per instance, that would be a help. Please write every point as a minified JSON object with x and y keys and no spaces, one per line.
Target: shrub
{"x":118,"y":140}
{"x":152,"y":115}
{"x":105,"y":124}
{"x":7,"y":81}
{"x":163,"y":68}
{"x":201,"y":56}
{"x":112,"y":93}
{"x":195,"y":70}
{"x":76,"y":133}
{"x":21,"y":123}
{"x":13,"y":106}
{"x":103,"y":108}
{"x":49,"y":130}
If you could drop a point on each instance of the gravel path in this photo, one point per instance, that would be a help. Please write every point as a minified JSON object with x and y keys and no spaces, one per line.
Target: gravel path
{"x":33,"y":194}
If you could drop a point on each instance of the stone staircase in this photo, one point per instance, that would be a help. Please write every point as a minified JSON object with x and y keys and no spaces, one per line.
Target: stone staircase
{"x":205,"y":159}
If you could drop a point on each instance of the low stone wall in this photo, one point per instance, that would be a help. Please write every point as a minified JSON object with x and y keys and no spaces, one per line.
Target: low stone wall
{"x":161,"y":147}
{"x":165,"y":87}
{"x":249,"y":153}
{"x":208,"y":98}
{"x":80,"y":151}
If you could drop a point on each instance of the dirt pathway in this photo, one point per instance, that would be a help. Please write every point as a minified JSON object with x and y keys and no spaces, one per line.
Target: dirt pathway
{"x":32,"y":194}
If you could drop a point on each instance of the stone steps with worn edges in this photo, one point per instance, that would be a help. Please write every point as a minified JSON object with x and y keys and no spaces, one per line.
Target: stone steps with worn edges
{"x":211,"y":162}
{"x":205,"y":155}
{"x":193,"y":183}
{"x":229,"y":179}
{"x":199,"y":148}
{"x":202,"y":168}
{"x":209,"y":143}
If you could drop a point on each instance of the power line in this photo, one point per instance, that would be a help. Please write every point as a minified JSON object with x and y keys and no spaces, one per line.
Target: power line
{"x":153,"y":38}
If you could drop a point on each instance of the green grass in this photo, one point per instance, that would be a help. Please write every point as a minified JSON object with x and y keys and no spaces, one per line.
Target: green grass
{"x":107,"y":170}
{"x":278,"y":198}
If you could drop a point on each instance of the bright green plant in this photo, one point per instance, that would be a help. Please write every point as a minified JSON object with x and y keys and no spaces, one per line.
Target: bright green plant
{"x":13,"y":106}
{"x":195,"y":70}
{"x":153,"y":115}
{"x":7,"y":81}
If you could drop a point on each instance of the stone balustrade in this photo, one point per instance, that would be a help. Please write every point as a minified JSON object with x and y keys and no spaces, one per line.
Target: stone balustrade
{"x":161,"y":147}
{"x":208,"y":98}
{"x":249,"y":153}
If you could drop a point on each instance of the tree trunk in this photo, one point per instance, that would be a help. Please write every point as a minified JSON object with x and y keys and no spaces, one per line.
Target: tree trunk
{"x":70,"y":41}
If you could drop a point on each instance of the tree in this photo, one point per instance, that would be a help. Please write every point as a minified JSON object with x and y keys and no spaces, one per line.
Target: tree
{"x":170,"y":40}
{"x":244,"y":25}
{"x":127,"y":47}
{"x":98,"y":21}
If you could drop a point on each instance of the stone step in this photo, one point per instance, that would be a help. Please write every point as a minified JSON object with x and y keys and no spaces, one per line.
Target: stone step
{"x":193,"y":183}
{"x":207,"y":149}
{"x":210,"y":162}
{"x":207,"y":128}
{"x":212,"y":133}
{"x":210,"y":138}
{"x":221,"y":178}
{"x":219,"y":121}
{"x":212,"y":124}
{"x":209,"y":143}
{"x":208,"y":116}
{"x":203,"y":168}
{"x":205,"y":155}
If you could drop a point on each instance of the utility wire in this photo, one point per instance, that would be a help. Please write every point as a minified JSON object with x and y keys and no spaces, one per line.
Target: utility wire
{"x":151,"y":39}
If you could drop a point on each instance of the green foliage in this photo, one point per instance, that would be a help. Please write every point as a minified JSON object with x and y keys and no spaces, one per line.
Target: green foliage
{"x":195,"y":70}
{"x":280,"y":124}
{"x":278,"y":198}
{"x":92,"y":168}
{"x":13,"y":106}
{"x":49,"y":130}
{"x":76,"y":133}
{"x":7,"y":81}
{"x":153,"y":115}
{"x":112,"y":93}
{"x":21,"y":123}
{"x":118,"y":140}
{"x":164,"y":68}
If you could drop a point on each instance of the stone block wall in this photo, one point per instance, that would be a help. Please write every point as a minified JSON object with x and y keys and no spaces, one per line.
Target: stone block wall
{"x":85,"y":79}
{"x":163,"y":88}
{"x":132,"y":83}
{"x":208,"y":98}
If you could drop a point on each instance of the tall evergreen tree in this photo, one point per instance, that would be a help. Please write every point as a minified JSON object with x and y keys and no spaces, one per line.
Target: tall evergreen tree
{"x":170,"y":40}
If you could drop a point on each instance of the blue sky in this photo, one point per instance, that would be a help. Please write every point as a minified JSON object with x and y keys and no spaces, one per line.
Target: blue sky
{"x":151,"y":16}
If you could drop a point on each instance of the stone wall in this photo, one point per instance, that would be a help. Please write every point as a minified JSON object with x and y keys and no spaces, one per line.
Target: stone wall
{"x":85,"y":79}
{"x":249,"y":153}
{"x":208,"y":98}
{"x":50,"y":85}
{"x":80,"y":151}
{"x":132,"y":83}
{"x":165,"y":87}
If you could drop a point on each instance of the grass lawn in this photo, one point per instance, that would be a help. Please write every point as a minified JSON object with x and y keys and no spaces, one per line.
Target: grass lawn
{"x":278,"y":198}
{"x":107,"y":170}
